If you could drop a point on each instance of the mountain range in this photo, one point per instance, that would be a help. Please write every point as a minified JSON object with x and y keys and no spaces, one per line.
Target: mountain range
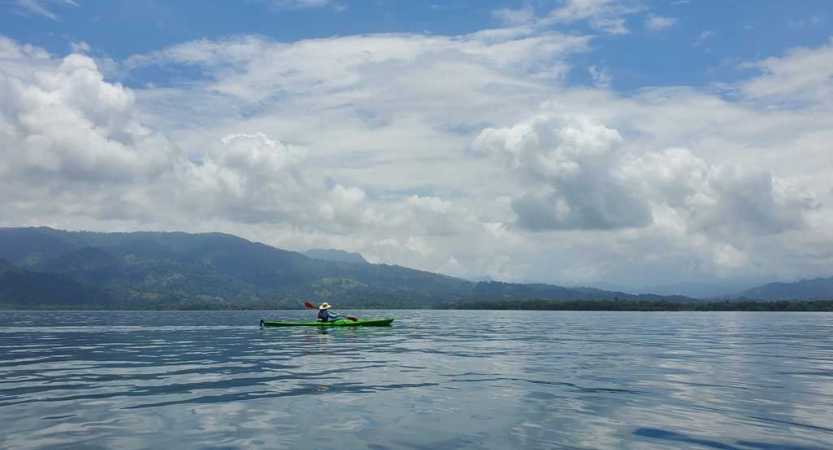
{"x":48,"y":268}
{"x":812,"y":289}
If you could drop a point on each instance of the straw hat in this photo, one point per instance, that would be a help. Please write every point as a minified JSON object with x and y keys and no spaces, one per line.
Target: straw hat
{"x":324,"y":305}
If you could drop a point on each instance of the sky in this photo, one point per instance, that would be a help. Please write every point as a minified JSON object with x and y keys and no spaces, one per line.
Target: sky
{"x":636,"y":144}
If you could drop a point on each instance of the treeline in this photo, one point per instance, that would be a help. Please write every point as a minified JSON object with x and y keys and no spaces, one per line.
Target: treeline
{"x":638,"y":305}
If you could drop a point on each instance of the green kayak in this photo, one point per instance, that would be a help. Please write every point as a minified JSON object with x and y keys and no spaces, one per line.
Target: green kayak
{"x":336,"y":323}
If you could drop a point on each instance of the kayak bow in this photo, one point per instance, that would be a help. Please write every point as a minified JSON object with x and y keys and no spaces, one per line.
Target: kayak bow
{"x":335,"y":323}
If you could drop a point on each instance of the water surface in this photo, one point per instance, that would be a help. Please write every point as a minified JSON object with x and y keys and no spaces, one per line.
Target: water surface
{"x":434,"y":380}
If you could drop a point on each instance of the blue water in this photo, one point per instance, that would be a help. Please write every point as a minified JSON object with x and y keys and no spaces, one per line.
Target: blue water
{"x":434,"y":380}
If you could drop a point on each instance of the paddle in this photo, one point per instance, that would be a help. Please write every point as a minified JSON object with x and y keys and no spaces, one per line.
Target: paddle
{"x":311,"y":306}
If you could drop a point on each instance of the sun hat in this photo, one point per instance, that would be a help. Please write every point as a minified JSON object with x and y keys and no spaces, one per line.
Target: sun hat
{"x":324,"y":305}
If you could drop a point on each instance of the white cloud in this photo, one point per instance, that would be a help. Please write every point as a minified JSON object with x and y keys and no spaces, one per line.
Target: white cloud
{"x":728,"y":257}
{"x":724,"y":200}
{"x":574,"y":157}
{"x":11,"y":51}
{"x":79,"y":47}
{"x":453,"y":267}
{"x":248,"y":177}
{"x":64,"y":128}
{"x":438,"y":217}
{"x":601,"y":76}
{"x":659,"y":23}
{"x":802,"y":75}
{"x":587,"y":182}
{"x":604,"y":15}
{"x":38,"y":7}
{"x":520,"y":16}
{"x":419,"y":245}
{"x":245,"y":66}
{"x":359,"y":142}
{"x":65,"y":123}
{"x":297,"y":4}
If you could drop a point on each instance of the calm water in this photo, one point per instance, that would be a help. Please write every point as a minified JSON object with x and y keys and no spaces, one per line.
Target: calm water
{"x":434,"y":380}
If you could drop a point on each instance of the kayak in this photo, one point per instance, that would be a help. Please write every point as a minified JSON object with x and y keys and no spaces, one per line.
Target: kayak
{"x":335,"y":323}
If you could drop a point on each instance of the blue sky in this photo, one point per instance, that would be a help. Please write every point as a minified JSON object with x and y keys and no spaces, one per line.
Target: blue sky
{"x":638,"y":143}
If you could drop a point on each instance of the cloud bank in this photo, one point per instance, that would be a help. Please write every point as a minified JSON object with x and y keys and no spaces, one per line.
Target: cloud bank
{"x":467,"y":154}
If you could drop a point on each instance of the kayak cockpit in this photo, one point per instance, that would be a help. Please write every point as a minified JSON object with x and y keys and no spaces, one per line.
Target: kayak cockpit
{"x":336,"y":323}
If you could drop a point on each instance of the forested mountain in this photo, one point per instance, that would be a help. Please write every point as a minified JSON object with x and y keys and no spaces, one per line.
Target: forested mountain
{"x":335,"y":255}
{"x":814,"y":289}
{"x":47,"y":268}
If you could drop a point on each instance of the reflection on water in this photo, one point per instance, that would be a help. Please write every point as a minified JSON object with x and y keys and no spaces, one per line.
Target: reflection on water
{"x":434,"y":380}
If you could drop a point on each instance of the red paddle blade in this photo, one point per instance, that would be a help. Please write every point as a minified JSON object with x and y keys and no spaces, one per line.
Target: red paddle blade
{"x":354,"y":319}
{"x":309,"y":305}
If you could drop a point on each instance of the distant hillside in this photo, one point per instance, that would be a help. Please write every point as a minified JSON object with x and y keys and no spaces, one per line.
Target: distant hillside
{"x":46,"y":268}
{"x":703,"y":289}
{"x":815,"y":289}
{"x":44,"y":290}
{"x":335,"y":255}
{"x":651,"y":305}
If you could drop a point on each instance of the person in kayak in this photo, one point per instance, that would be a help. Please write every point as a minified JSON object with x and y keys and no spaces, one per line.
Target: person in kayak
{"x":325,"y":315}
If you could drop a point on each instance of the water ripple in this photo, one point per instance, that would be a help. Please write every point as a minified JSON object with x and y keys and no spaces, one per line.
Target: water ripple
{"x":434,"y":380}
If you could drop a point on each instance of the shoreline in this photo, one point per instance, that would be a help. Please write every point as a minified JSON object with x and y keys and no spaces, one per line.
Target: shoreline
{"x":508,"y":305}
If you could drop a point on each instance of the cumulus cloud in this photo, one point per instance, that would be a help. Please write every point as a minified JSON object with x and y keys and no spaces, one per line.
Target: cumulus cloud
{"x":575,"y":159}
{"x":726,"y":199}
{"x":752,"y":201}
{"x":346,"y":209}
{"x":358,"y":142}
{"x":586,"y":181}
{"x":246,"y":177}
{"x":74,"y":148}
{"x":64,"y":128}
{"x":63,"y":122}
{"x":20,"y":60}
{"x":343,"y":98}
{"x":436,"y":216}
{"x":726,"y":256}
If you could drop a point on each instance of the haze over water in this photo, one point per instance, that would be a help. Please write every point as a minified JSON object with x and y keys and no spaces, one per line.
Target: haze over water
{"x":434,"y":380}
